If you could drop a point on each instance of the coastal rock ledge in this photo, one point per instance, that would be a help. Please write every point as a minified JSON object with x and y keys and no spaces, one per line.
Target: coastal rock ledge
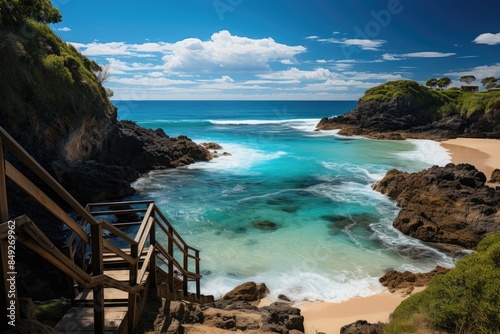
{"x":444,"y":205}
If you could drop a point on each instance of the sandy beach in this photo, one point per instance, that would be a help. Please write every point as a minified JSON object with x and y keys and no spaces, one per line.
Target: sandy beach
{"x":328,"y":318}
{"x":484,"y":154}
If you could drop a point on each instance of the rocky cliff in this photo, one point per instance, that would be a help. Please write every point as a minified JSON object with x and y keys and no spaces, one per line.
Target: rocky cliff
{"x":406,"y":109}
{"x":448,"y":205}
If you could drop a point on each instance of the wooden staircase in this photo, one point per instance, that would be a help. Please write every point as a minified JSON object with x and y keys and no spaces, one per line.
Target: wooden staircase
{"x":118,"y":253}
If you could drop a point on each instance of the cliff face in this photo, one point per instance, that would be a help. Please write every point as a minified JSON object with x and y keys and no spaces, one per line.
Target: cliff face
{"x":53,"y":103}
{"x":406,"y":109}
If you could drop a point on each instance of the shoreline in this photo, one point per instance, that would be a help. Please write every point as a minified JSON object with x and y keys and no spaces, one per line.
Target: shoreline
{"x":328,"y":318}
{"x":482,"y":153}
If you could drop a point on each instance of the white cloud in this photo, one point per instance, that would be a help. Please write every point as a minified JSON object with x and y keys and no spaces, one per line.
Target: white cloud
{"x":286,"y":62}
{"x":488,"y":38}
{"x":296,"y":74}
{"x":156,"y":74}
{"x":149,"y":81}
{"x":363,"y":44}
{"x":424,"y":54}
{"x":222,"y":52}
{"x":479,"y":72}
{"x":312,"y":37}
{"x":64,"y":29}
{"x":227,"y":52}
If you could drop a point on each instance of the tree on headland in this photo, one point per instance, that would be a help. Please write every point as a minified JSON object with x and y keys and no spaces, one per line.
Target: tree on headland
{"x":15,"y":12}
{"x":431,"y":83}
{"x":467,"y":79}
{"x":491,"y":82}
{"x":443,"y":82}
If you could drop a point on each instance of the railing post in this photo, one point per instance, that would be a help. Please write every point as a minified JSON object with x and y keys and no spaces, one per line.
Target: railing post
{"x":186,"y":270}
{"x":170,"y":263}
{"x":67,"y":250}
{"x":132,"y":300}
{"x":198,"y":288}
{"x":152,"y":264}
{"x":97,"y":269}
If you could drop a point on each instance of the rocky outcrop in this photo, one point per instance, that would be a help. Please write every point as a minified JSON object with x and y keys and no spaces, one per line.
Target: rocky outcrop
{"x":362,"y":327}
{"x":450,"y":204}
{"x":144,"y":149}
{"x":249,"y":292}
{"x":407,"y":281}
{"x":232,"y":313}
{"x":405,"y":109}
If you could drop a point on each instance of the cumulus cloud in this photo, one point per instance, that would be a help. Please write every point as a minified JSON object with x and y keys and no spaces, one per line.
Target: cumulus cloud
{"x":227,"y":52}
{"x":222,"y":52}
{"x":64,"y":29}
{"x":488,"y":38}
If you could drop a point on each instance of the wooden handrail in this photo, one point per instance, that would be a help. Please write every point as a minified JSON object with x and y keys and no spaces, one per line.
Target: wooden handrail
{"x":36,"y":168}
{"x":119,"y":203}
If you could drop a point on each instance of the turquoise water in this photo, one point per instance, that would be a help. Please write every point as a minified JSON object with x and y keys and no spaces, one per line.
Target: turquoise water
{"x":333,"y":237}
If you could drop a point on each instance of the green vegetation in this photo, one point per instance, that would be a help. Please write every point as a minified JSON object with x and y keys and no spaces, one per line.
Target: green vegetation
{"x":436,"y":103}
{"x":50,"y":312}
{"x":43,"y":79}
{"x":465,"y":300}
{"x":468,"y":79}
{"x":491,"y":82}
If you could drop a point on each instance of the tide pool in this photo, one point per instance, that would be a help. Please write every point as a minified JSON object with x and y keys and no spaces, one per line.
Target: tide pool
{"x":333,"y":236}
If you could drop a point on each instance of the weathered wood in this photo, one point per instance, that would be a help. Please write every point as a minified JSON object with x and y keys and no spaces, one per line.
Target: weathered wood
{"x":4,"y":208}
{"x":146,"y":264}
{"x":152,"y":264}
{"x":138,"y":236}
{"x":113,"y":248}
{"x":120,"y":203}
{"x":198,"y":286}
{"x":97,"y":269}
{"x":29,"y":188}
{"x":142,"y":241}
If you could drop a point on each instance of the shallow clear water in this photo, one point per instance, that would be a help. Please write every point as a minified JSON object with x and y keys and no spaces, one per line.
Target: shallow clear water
{"x":333,"y":235}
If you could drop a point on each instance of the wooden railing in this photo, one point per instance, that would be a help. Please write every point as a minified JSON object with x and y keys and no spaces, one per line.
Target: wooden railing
{"x":83,"y":259}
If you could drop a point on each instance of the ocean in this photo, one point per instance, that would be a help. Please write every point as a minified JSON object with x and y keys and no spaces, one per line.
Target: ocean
{"x":330,"y":236}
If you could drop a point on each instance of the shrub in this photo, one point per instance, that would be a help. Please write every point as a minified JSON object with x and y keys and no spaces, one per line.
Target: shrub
{"x":55,"y":65}
{"x":465,"y":300}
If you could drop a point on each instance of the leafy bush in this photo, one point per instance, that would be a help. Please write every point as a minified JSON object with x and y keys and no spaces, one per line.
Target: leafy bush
{"x":465,"y":300}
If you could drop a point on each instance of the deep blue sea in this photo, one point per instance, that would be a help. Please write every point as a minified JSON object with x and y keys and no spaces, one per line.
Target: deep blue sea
{"x":334,"y":236}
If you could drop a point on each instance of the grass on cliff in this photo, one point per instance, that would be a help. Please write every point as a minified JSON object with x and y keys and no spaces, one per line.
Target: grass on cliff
{"x":42,"y":75}
{"x":465,"y":300}
{"x":440,"y":103}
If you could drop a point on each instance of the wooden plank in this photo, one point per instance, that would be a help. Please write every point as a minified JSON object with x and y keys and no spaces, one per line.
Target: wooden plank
{"x":29,"y":188}
{"x":4,"y":207}
{"x":145,"y":265}
{"x":110,"y":294}
{"x":97,"y":269}
{"x":80,"y":319}
{"x":116,"y":212}
{"x":120,"y":203}
{"x":147,"y":230}
{"x":144,"y":222}
{"x":118,"y":251}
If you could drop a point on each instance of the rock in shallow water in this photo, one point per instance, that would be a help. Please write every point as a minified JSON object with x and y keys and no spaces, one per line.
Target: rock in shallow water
{"x":265,"y":225}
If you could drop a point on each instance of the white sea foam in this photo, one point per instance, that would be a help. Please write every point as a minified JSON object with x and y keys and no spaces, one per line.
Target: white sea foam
{"x":241,"y":160}
{"x":427,"y":151}
{"x":262,"y":121}
{"x":364,"y":172}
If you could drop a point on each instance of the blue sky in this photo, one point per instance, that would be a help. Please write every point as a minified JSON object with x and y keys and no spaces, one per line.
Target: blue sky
{"x":277,"y":49}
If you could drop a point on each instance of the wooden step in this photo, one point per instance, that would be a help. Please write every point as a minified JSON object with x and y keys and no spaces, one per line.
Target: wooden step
{"x":81,"y":319}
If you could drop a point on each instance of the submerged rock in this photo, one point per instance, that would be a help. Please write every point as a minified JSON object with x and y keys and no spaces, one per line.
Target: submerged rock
{"x":265,"y":225}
